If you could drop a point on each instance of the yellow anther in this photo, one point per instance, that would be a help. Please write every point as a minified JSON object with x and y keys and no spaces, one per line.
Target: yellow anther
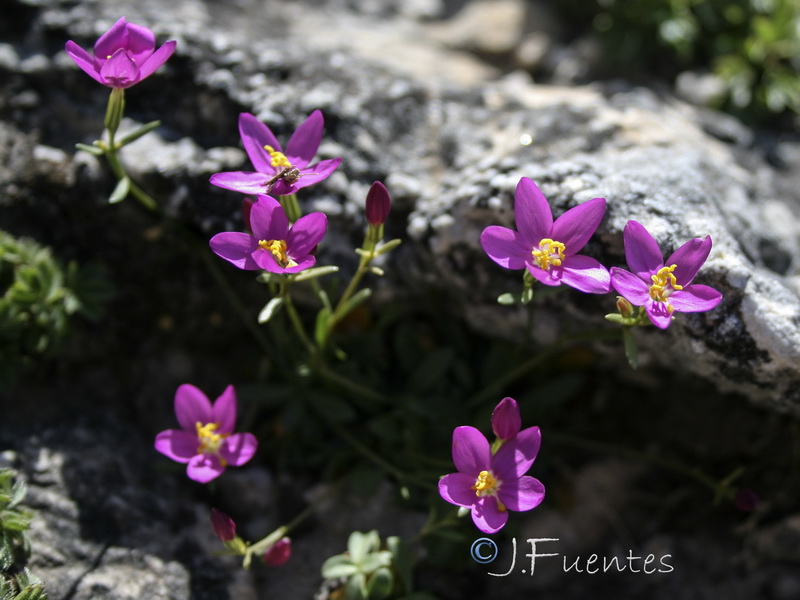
{"x":210,"y":441}
{"x":278,"y":159}
{"x":549,"y":253}
{"x":486,"y":484}
{"x":278,"y":250}
{"x":664,"y":283}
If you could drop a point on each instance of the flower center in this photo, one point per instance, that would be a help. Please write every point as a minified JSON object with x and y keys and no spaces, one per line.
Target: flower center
{"x":486,"y":484}
{"x":278,"y":250}
{"x":210,"y":441}
{"x":278,"y":159}
{"x":664,"y":283}
{"x":549,"y":253}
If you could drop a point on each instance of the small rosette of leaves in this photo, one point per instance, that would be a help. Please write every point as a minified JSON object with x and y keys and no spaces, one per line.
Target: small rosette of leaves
{"x":37,"y":298}
{"x":372,"y":571}
{"x":15,"y":582}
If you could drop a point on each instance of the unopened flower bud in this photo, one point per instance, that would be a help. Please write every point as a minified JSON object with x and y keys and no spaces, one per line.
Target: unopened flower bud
{"x":378,"y":204}
{"x":506,"y":420}
{"x":279,"y":553}
{"x":746,"y":500}
{"x":223,"y":525}
{"x":624,"y":307}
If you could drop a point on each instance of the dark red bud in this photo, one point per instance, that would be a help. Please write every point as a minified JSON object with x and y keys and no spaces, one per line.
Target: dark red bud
{"x":378,"y":204}
{"x":223,"y":525}
{"x":279,"y":553}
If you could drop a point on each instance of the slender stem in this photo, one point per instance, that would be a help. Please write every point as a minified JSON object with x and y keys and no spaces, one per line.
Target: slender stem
{"x":295,"y":319}
{"x":363,"y":265}
{"x":119,"y":172}
{"x":350,"y":385}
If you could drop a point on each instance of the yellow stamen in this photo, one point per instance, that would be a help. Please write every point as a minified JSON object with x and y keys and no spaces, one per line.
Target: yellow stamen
{"x":278,"y":159}
{"x":664,"y":283}
{"x":486,"y":484}
{"x":210,"y":441}
{"x":549,"y":253}
{"x":278,"y":250}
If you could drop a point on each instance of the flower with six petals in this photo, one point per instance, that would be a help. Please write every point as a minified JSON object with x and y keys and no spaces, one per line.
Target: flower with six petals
{"x":123,"y":56}
{"x":492,"y":484}
{"x":273,"y":245}
{"x":663,"y":287}
{"x":206,"y":442}
{"x":547,"y":248}
{"x":278,"y":172}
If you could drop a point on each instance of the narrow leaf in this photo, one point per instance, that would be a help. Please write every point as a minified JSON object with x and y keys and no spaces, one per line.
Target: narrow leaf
{"x":90,"y":149}
{"x":271,"y":308}
{"x":136,"y":134}
{"x":356,"y":299}
{"x":121,"y":191}
{"x":315,"y":272}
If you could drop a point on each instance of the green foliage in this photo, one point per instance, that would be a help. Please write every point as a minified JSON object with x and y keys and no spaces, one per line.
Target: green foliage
{"x":370,"y":572}
{"x":15,"y":583}
{"x":37,"y":299}
{"x":753,"y":46}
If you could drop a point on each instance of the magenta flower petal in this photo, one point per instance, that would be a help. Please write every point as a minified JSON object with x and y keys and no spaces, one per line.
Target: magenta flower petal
{"x":223,"y":411}
{"x":246,"y":182}
{"x":191,"y":406}
{"x":456,"y":488}
{"x":695,"y":298}
{"x":158,"y":58}
{"x":120,"y":70}
{"x":551,"y":277}
{"x":585,"y":274}
{"x":238,"y":448}
{"x":576,"y":226}
{"x":521,"y":494}
{"x":268,"y":219}
{"x":533,"y":214}
{"x":237,"y":248}
{"x":505,"y":246}
{"x":139,"y":41}
{"x":516,"y":456}
{"x":659,"y":313}
{"x":305,"y":140}
{"x":267,"y":262}
{"x":179,"y":445}
{"x":641,"y":251}
{"x":255,"y":135}
{"x":113,"y":39}
{"x":471,"y":452}
{"x":306,"y":233}
{"x":506,"y":420}
{"x":487,"y":516}
{"x":204,"y":467}
{"x":689,"y":258}
{"x":630,"y":287}
{"x":84,"y":60}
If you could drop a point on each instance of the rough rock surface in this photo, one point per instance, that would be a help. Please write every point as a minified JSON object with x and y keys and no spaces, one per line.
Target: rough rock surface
{"x":450,"y":150}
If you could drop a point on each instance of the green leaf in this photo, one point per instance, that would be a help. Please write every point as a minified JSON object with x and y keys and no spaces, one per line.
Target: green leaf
{"x":90,"y":149}
{"x":358,"y":298}
{"x":357,"y":587}
{"x":17,"y":493}
{"x":271,"y":309}
{"x":374,"y":561}
{"x":615,"y":318}
{"x":527,"y":295}
{"x":136,"y":134}
{"x":121,"y":190}
{"x":401,"y":560}
{"x":507,"y":299}
{"x":314,"y":272}
{"x":358,"y":545}
{"x":321,"y":326}
{"x":380,"y":585}
{"x":338,"y":566}
{"x":388,"y":247}
{"x":630,"y":347}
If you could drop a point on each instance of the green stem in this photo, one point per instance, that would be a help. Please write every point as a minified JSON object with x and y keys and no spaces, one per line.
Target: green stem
{"x":295,"y":319}
{"x":350,"y":385}
{"x":363,"y":265}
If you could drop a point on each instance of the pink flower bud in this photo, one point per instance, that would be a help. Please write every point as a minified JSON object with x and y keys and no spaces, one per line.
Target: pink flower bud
{"x":624,"y":307}
{"x":279,"y":553}
{"x":223,"y":525}
{"x":506,"y":420}
{"x":746,"y":500}
{"x":378,"y":204}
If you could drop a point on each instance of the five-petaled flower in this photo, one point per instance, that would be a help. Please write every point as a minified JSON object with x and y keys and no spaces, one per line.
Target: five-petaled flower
{"x":206,"y":440}
{"x":123,"y":56}
{"x":546,"y":248}
{"x":273,"y":245}
{"x":278,"y":172}
{"x":663,"y":287}
{"x":492,"y":484}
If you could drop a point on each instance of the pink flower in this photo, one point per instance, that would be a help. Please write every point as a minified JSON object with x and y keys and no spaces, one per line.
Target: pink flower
{"x":273,"y":245}
{"x":206,"y":441}
{"x":278,"y":172}
{"x":663,"y":287}
{"x":123,"y":56}
{"x":491,"y":485}
{"x":548,"y":249}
